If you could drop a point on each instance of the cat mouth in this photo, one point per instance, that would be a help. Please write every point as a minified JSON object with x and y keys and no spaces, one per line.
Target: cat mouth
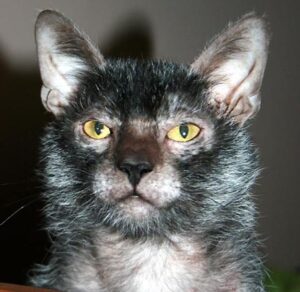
{"x":136,"y":205}
{"x":135,"y":196}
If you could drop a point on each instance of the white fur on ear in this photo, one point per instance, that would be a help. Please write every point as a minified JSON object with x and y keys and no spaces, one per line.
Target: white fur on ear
{"x":64,"y":54}
{"x":234,"y":64}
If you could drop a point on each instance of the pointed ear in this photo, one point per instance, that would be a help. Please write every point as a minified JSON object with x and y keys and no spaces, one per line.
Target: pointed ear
{"x":64,"y":55}
{"x":233,"y":64}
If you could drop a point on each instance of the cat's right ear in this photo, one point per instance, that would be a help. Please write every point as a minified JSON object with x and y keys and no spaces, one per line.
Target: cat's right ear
{"x":64,"y":54}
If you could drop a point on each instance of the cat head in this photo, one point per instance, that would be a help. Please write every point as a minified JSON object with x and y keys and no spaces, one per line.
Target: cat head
{"x":145,"y":145}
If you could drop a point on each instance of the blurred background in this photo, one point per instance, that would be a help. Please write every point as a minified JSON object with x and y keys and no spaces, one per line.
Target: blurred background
{"x":169,"y":29}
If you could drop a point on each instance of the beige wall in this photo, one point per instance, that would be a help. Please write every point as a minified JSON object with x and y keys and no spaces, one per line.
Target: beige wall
{"x":178,"y":30}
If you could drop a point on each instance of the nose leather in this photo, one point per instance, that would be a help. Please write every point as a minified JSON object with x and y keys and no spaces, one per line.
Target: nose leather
{"x":135,"y":166}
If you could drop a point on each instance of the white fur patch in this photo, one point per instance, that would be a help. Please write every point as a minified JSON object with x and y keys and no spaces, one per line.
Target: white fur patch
{"x":176,"y":265}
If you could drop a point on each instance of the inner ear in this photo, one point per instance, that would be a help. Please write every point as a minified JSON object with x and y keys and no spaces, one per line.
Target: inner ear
{"x":233,"y":64}
{"x":65,"y":55}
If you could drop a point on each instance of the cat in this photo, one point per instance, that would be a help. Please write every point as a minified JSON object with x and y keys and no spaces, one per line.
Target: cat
{"x":147,"y":165}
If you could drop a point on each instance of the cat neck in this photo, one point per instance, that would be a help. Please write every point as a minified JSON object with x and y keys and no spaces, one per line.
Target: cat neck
{"x":175,"y":263}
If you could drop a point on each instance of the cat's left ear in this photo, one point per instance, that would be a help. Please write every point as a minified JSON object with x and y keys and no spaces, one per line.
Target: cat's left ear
{"x":64,"y":54}
{"x":233,"y":64}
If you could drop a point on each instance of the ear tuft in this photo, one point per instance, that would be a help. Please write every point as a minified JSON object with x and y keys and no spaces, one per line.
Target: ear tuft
{"x":64,"y":54}
{"x":233,"y":65}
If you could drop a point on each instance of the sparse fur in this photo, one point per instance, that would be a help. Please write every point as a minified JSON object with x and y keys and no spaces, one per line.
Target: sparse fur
{"x":200,"y":234}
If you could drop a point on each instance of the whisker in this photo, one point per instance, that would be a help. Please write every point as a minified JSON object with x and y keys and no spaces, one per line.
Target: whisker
{"x":17,"y":211}
{"x":18,"y":201}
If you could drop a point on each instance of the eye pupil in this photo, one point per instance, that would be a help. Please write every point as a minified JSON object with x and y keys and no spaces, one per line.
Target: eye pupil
{"x":98,"y":127}
{"x":184,"y":130}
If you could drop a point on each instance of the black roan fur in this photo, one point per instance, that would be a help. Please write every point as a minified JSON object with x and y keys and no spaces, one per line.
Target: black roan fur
{"x":215,"y":206}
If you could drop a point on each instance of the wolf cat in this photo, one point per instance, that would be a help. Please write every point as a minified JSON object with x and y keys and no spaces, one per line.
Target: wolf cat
{"x":147,"y":165}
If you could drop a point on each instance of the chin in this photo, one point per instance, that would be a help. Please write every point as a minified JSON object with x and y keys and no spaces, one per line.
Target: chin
{"x":135,"y":218}
{"x":137,"y":207}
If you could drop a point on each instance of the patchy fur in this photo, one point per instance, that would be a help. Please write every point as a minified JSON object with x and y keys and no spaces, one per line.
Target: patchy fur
{"x":187,"y":221}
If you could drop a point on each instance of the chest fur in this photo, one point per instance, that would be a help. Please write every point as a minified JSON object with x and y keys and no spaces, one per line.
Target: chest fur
{"x":151,"y":267}
{"x":146,"y":266}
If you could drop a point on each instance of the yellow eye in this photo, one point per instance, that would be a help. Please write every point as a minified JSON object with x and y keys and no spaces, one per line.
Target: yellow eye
{"x":184,"y":133}
{"x":96,"y":130}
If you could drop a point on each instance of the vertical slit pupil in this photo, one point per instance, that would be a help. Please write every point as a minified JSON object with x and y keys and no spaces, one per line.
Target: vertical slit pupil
{"x":184,"y":130}
{"x":98,"y":128}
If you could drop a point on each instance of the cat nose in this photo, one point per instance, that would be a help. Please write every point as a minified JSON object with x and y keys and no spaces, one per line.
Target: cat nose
{"x":135,"y":167}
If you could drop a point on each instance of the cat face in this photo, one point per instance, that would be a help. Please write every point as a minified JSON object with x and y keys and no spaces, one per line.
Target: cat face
{"x":137,"y":138}
{"x":140,"y":172}
{"x":147,"y":146}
